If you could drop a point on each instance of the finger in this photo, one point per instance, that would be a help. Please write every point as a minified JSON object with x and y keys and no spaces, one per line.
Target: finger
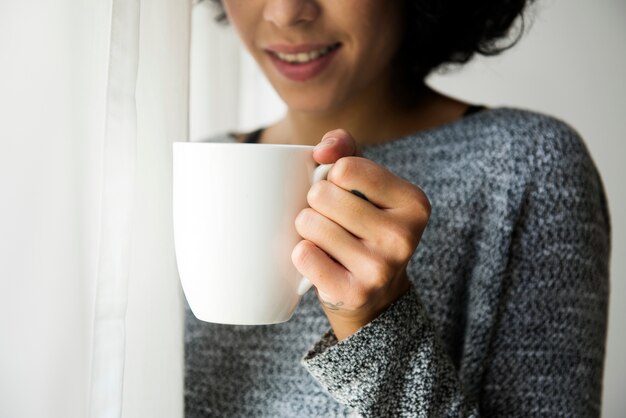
{"x":328,"y":276}
{"x":377,"y":184}
{"x":356,"y":215}
{"x":339,"y":244}
{"x":334,"y":145}
{"x":393,"y":237}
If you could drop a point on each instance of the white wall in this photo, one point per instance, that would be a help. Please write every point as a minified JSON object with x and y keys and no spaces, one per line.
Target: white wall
{"x":571,"y":64}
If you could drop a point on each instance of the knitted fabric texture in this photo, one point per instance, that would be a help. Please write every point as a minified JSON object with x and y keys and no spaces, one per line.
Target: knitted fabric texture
{"x":507,"y":312}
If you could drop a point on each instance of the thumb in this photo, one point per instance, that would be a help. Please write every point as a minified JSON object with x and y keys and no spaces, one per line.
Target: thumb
{"x":335,"y":144}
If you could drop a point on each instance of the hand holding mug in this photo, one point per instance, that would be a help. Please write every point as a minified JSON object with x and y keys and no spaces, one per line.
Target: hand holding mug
{"x":359,"y":233}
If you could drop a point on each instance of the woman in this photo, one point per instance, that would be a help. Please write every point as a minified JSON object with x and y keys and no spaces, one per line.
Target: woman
{"x":497,"y":308}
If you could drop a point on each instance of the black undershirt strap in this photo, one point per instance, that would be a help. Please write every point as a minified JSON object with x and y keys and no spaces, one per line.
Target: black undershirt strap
{"x":253,"y":137}
{"x":471,"y":109}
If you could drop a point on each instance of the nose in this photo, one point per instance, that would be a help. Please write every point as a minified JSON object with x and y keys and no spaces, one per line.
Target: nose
{"x":284,"y":13}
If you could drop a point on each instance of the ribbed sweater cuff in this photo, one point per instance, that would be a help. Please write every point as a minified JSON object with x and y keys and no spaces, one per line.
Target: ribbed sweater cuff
{"x":353,"y":369}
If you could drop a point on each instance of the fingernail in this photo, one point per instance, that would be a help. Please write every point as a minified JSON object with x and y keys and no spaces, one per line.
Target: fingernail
{"x":325,"y":143}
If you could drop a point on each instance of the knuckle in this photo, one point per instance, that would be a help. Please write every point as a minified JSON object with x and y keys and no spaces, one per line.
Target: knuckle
{"x":337,"y":132}
{"x":317,"y":192}
{"x":300,"y":254}
{"x":343,"y":170}
{"x":425,"y":207}
{"x":402,"y":242}
{"x":420,"y":204}
{"x":399,"y":241}
{"x":305,"y":220}
{"x":297,"y":255}
{"x":428,"y":208}
{"x":379,"y":273}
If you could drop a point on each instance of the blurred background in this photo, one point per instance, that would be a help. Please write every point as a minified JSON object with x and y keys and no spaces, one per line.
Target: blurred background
{"x":92,"y":95}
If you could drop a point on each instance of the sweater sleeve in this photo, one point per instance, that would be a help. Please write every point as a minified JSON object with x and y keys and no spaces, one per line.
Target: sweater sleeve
{"x":545,"y":353}
{"x":392,"y":367}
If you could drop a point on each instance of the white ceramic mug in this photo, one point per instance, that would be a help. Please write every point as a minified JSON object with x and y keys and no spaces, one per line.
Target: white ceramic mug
{"x":234,"y":209}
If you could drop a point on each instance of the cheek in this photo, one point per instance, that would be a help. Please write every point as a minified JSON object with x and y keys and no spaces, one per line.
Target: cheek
{"x":377,"y":33}
{"x":375,"y":55}
{"x":241,"y":15}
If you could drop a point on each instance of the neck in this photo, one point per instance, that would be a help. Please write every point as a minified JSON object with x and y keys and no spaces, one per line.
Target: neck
{"x":371,"y":118}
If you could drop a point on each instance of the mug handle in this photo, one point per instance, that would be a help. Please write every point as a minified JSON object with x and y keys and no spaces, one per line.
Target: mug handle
{"x":320,"y":173}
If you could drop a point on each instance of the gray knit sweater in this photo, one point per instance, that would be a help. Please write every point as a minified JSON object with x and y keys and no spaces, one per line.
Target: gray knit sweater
{"x":508,"y":309}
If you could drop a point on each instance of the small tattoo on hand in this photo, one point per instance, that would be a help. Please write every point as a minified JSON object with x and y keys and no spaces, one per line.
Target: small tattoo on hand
{"x":333,"y":306}
{"x":359,"y":194}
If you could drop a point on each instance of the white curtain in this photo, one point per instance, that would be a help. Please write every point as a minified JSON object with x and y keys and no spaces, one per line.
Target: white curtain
{"x":92,"y":94}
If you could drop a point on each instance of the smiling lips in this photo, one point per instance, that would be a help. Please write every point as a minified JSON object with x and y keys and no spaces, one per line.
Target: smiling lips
{"x":302,"y":62}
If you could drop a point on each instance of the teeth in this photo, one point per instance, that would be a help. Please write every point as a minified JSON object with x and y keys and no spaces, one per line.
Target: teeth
{"x":304,"y":57}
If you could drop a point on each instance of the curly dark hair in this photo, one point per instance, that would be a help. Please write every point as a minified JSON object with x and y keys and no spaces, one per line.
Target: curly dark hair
{"x":440,"y":33}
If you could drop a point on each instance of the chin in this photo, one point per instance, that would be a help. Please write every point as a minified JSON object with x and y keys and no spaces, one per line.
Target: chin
{"x":309,"y":103}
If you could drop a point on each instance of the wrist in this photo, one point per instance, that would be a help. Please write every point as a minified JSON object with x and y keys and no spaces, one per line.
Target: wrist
{"x":345,"y":323}
{"x":345,"y":327}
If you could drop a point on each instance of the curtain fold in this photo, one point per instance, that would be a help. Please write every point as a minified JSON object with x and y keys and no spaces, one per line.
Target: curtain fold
{"x":118,"y":189}
{"x":153,"y":372}
{"x":138,"y":325}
